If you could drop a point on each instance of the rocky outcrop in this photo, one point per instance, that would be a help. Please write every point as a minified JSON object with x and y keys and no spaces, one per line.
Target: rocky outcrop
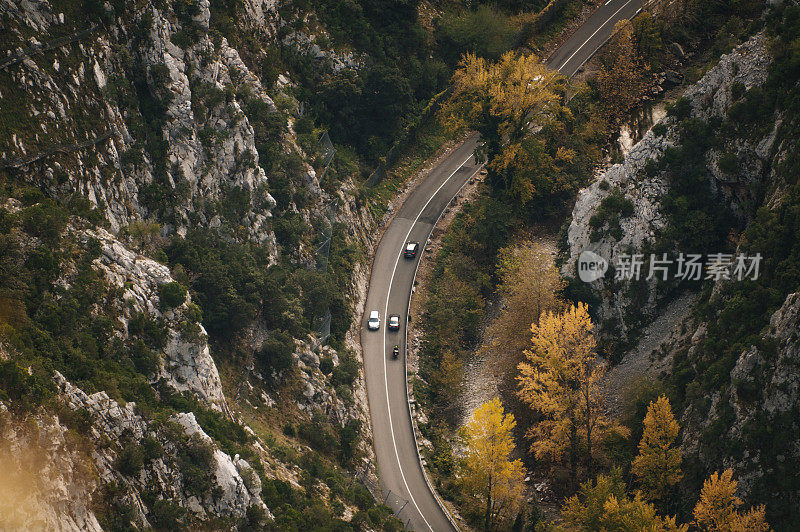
{"x":307,"y":44}
{"x":762,"y":396}
{"x":187,"y":362}
{"x":236,"y":486}
{"x":739,"y":395}
{"x":638,"y":182}
{"x":81,"y":96}
{"x":161,"y":122}
{"x":47,"y":481}
{"x":240,"y":484}
{"x":226,"y":156}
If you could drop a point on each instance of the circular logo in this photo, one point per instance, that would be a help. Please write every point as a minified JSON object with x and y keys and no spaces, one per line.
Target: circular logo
{"x":591,"y":266}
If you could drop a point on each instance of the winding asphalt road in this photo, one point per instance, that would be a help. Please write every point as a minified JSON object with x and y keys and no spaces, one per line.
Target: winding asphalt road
{"x":403,"y":479}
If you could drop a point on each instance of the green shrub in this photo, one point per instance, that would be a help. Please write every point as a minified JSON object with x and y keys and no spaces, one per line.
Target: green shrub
{"x":84,"y":208}
{"x":25,"y":391}
{"x":349,"y":436}
{"x":680,"y":109}
{"x":167,"y":515}
{"x":319,"y":434}
{"x":326,"y":365}
{"x":151,"y":330}
{"x":130,"y":459}
{"x":47,"y":220}
{"x":290,"y":230}
{"x":729,"y":163}
{"x":484,"y":31}
{"x":145,"y":361}
{"x":756,"y":108}
{"x":172,"y":294}
{"x":611,"y":209}
{"x":196,"y":462}
{"x":276,"y":352}
{"x":151,"y":448}
{"x":737,"y":90}
{"x":346,"y":372}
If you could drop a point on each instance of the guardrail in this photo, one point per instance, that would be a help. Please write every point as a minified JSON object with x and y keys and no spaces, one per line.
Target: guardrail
{"x":414,"y":428}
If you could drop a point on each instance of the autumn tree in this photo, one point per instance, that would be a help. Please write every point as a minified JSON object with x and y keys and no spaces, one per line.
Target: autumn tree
{"x":530,"y":284}
{"x":504,"y":101}
{"x":487,"y":471}
{"x":622,"y":80}
{"x":658,"y":465}
{"x":717,"y":509}
{"x":604,"y":505}
{"x":559,"y":380}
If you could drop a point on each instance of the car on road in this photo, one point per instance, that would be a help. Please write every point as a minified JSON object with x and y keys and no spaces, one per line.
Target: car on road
{"x":410,"y":251}
{"x":394,"y":322}
{"x":374,"y":322}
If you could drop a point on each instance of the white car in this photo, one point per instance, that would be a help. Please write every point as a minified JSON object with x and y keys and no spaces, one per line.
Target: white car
{"x":394,"y":322}
{"x":374,"y":322}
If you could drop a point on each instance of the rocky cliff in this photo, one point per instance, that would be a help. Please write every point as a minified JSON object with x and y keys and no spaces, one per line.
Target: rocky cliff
{"x":125,"y":128}
{"x":622,"y":211}
{"x":717,"y":172}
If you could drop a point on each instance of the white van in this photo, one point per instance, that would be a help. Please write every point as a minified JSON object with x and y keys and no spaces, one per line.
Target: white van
{"x":374,"y":322}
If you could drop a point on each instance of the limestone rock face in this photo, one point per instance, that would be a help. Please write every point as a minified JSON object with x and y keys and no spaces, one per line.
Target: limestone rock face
{"x":46,"y":480}
{"x":644,"y":188}
{"x":239,"y":483}
{"x":236,"y":485}
{"x":755,"y":407}
{"x":188,"y":365}
{"x":308,"y":46}
{"x":764,"y":392}
{"x":208,"y":152}
{"x":157,"y":120}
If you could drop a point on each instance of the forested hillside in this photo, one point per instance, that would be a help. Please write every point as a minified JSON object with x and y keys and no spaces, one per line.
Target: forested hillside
{"x":698,"y":433}
{"x":191,"y":192}
{"x":184,"y":230}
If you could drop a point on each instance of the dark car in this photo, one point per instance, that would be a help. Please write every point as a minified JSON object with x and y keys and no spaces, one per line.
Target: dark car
{"x":410,"y":250}
{"x":394,"y":322}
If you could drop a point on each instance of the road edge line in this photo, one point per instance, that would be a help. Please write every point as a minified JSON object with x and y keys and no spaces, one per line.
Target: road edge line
{"x":414,"y":428}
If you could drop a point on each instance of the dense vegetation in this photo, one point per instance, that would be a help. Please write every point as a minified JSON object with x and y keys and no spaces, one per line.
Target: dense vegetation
{"x":738,"y":315}
{"x":407,"y":61}
{"x":52,"y":327}
{"x":57,"y":313}
{"x":697,"y":221}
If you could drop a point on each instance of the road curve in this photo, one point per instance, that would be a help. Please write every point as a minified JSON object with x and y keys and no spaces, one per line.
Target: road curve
{"x":403,"y":481}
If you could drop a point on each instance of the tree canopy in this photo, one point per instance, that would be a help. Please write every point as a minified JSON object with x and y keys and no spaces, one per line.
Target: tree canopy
{"x":559,"y":381}
{"x":487,"y":471}
{"x":658,"y":465}
{"x":717,"y":509}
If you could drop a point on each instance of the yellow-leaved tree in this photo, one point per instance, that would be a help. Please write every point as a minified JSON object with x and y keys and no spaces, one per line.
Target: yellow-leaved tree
{"x":717,"y":509}
{"x":604,"y":505}
{"x":658,"y":464}
{"x":504,"y":101}
{"x":622,"y":80}
{"x":559,"y":381}
{"x":530,"y":284}
{"x":486,"y":471}
{"x":447,"y":376}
